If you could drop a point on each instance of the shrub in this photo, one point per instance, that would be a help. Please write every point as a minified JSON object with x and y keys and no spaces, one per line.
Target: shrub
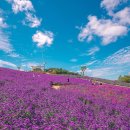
{"x":124,"y":78}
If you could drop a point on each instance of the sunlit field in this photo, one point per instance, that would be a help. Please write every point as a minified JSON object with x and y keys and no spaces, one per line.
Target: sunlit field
{"x":29,"y":101}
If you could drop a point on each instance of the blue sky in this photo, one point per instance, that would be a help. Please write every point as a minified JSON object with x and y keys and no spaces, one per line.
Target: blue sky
{"x":66,"y":34}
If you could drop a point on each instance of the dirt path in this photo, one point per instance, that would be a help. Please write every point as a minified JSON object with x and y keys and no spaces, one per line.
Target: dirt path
{"x":56,"y":87}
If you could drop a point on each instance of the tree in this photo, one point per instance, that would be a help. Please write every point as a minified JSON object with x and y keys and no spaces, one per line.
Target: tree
{"x":120,"y":77}
{"x":124,"y":78}
{"x":83,"y":69}
{"x":18,"y":67}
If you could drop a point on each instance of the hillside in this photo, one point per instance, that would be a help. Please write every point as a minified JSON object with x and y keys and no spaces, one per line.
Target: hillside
{"x":29,"y":100}
{"x":113,"y":82}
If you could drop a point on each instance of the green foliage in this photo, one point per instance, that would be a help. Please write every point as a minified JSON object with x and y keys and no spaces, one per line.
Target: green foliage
{"x":124,"y":78}
{"x":74,"y":119}
{"x":57,"y":84}
{"x":83,"y":68}
{"x":60,"y":71}
{"x":49,"y":115}
{"x":55,"y":71}
{"x":37,"y":70}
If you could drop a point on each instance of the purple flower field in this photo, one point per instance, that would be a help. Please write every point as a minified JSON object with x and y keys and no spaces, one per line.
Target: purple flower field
{"x":28,"y":102}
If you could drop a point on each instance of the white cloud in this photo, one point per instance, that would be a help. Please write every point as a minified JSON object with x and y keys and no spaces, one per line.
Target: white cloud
{"x":43,"y":38}
{"x":111,"y":72}
{"x":98,"y":72}
{"x":26,"y":7}
{"x":110,"y":68}
{"x":32,"y":20}
{"x":123,"y":16}
{"x":74,"y":60}
{"x":92,"y":62}
{"x":113,"y":66}
{"x":5,"y":43}
{"x":88,"y":64}
{"x":29,"y":64}
{"x":93,"y":50}
{"x":120,"y":57}
{"x":6,"y":46}
{"x":109,"y":30}
{"x":2,"y":23}
{"x":110,"y":5}
{"x":104,"y":28}
{"x":105,"y":72}
{"x":2,"y":20}
{"x":14,"y":55}
{"x":6,"y":63}
{"x":21,"y":5}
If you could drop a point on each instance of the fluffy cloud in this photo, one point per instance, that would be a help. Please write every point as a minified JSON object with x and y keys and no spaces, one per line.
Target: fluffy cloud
{"x":123,"y":16}
{"x":106,"y":29}
{"x":32,"y":21}
{"x":21,"y":5}
{"x":109,"y":30}
{"x":110,"y":5}
{"x":26,"y":6}
{"x":42,"y":38}
{"x":6,"y":63}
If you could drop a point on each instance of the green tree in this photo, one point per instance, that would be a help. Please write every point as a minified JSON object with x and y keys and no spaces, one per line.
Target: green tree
{"x":83,"y":69}
{"x":124,"y":78}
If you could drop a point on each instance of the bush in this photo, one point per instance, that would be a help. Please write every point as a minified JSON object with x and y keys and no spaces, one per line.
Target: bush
{"x":124,"y":78}
{"x":60,"y":71}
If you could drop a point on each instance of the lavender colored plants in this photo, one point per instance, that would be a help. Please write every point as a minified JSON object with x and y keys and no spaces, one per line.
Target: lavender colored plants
{"x":28,"y":102}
